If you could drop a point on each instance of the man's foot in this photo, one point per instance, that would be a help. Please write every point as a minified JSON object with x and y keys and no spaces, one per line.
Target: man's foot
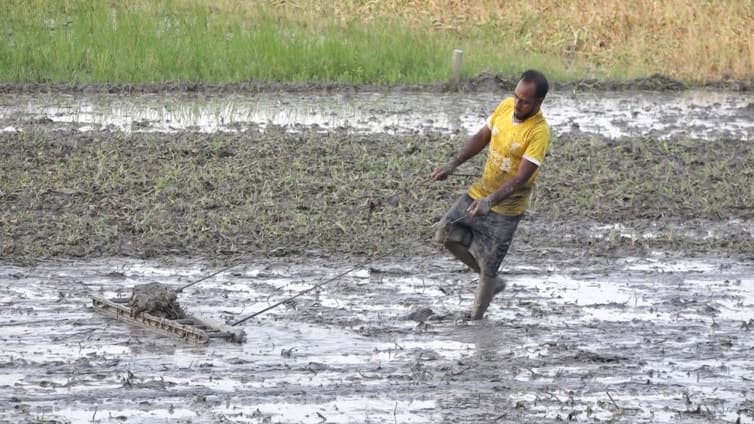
{"x":487,"y":289}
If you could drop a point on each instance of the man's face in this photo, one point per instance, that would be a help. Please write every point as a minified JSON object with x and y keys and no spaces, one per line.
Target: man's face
{"x":526,"y":103}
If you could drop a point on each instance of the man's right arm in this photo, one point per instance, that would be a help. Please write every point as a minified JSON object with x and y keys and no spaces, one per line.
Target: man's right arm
{"x":476,"y":143}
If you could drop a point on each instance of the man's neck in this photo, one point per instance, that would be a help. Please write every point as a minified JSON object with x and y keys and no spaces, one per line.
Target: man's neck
{"x":517,"y":121}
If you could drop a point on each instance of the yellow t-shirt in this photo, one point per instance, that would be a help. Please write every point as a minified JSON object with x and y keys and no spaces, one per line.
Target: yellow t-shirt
{"x":510,"y":143}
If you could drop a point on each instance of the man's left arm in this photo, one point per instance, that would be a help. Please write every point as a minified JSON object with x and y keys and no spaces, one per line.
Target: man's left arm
{"x":482,"y":206}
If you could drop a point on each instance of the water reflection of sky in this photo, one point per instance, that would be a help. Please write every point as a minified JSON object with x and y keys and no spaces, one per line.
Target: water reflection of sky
{"x":696,"y":114}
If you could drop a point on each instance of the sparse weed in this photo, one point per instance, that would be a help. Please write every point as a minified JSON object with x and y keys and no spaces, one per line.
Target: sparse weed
{"x":151,"y":194}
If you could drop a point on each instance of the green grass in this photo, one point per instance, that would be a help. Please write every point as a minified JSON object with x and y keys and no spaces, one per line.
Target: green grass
{"x":361,"y":41}
{"x":99,"y":41}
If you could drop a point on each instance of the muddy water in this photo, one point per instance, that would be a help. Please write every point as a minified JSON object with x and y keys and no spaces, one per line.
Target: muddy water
{"x":641,"y":340}
{"x":664,"y":115}
{"x":657,"y":339}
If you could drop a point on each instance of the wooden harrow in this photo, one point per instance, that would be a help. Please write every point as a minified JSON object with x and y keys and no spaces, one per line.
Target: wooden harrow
{"x":189,"y":329}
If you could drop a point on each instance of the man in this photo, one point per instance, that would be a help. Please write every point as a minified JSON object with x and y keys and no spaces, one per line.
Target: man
{"x":478,"y":229}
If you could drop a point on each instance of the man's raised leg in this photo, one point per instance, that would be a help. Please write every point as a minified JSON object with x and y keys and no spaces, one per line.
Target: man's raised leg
{"x":457,"y":239}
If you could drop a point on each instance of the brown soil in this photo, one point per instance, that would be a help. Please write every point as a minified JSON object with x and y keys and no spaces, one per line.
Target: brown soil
{"x":73,"y":194}
{"x":482,"y":82}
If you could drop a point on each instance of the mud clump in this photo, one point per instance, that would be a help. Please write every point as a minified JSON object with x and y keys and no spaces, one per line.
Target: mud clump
{"x":155,"y":299}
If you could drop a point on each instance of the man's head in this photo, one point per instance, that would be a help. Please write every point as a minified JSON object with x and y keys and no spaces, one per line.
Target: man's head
{"x":529,"y":94}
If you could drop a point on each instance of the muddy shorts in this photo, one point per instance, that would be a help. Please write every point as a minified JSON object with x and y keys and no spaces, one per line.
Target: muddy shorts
{"x":487,"y":238}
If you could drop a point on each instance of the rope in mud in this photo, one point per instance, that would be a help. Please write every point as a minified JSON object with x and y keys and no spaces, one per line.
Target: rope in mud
{"x":319,"y":285}
{"x":207,"y":277}
{"x":337,"y":277}
{"x":314,"y":287}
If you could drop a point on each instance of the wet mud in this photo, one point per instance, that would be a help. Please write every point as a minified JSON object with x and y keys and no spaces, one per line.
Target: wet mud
{"x":155,"y":299}
{"x":659,"y":339}
{"x":483,"y":82}
{"x":629,"y":283}
{"x":661,"y":115}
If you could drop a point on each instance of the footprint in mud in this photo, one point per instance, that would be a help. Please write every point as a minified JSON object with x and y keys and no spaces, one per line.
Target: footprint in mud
{"x":422,"y":315}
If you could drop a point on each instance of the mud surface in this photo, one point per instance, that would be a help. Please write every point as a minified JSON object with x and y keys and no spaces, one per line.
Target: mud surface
{"x":485,"y":81}
{"x":658,"y":339}
{"x":73,"y":194}
{"x":630,"y":291}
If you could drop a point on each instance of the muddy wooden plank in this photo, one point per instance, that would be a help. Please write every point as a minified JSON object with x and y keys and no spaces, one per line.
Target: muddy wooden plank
{"x":190,"y":329}
{"x":163,"y":326}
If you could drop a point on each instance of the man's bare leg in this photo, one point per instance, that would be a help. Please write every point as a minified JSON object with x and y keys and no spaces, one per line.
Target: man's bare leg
{"x":488,"y":287}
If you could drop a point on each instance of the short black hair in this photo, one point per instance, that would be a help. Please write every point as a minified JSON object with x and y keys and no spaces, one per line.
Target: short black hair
{"x":539,"y":81}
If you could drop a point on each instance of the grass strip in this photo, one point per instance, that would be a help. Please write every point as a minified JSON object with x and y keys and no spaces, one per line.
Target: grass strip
{"x":370,"y":42}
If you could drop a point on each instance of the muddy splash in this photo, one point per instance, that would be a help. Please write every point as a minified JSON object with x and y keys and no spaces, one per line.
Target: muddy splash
{"x":643,"y":340}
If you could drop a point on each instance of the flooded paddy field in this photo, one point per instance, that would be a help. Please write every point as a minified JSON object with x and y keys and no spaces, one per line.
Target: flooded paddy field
{"x":658,"y":114}
{"x":658,"y":339}
{"x":630,"y":293}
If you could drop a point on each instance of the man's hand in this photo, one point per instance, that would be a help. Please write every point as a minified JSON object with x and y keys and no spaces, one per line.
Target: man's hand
{"x":476,"y":143}
{"x":479,"y":207}
{"x":442,"y":172}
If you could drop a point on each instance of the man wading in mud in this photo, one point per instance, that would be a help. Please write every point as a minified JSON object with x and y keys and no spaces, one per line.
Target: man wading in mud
{"x":479,"y":227}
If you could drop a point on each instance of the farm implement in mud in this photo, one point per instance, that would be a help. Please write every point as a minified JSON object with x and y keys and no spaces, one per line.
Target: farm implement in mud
{"x":154,"y":307}
{"x":187,"y":328}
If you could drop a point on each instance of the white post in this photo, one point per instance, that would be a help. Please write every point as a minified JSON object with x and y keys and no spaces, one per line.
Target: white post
{"x":457,"y":63}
